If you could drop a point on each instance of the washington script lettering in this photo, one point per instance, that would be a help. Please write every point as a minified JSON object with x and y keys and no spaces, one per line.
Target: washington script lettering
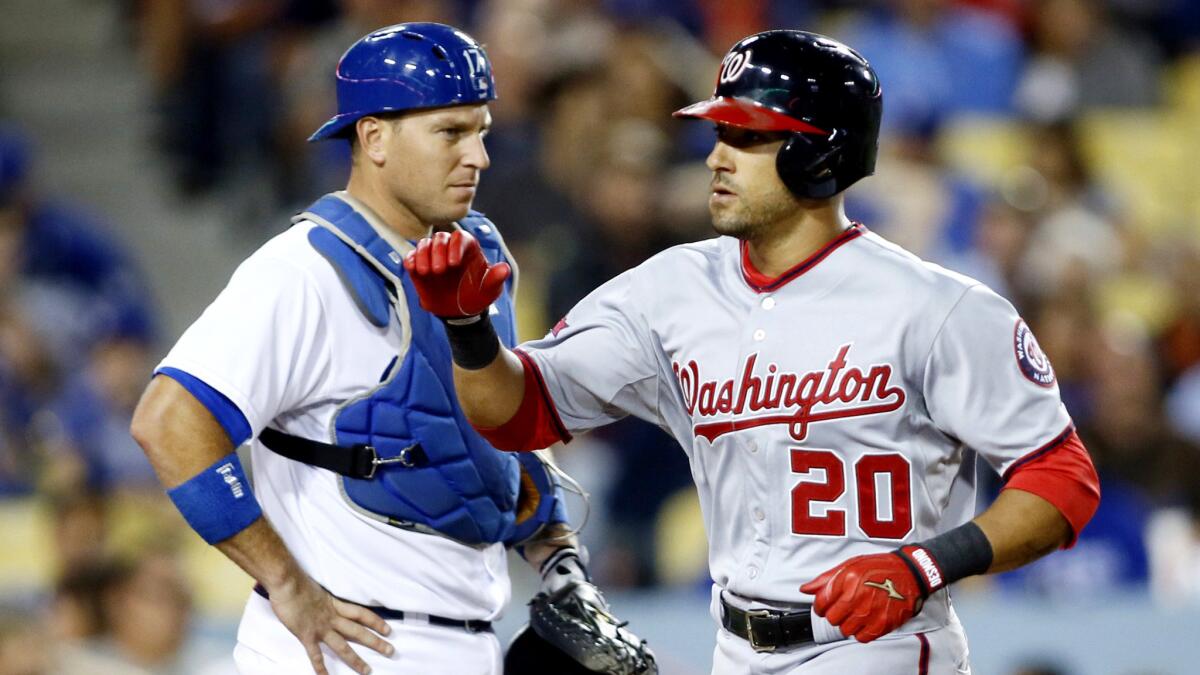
{"x":802,"y":396}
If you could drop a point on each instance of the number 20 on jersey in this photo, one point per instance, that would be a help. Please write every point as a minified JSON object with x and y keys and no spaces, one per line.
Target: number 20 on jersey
{"x":887,"y":518}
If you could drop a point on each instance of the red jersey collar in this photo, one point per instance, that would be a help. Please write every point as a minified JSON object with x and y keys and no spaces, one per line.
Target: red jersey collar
{"x":765,"y":284}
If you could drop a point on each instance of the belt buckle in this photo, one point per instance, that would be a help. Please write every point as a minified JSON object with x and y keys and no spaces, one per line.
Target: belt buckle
{"x":750,"y":636}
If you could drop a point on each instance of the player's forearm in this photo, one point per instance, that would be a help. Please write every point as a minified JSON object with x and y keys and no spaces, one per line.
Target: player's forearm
{"x":260,"y":552}
{"x":554,"y":537}
{"x":491,"y":395}
{"x":1021,"y":527}
{"x":182,"y":439}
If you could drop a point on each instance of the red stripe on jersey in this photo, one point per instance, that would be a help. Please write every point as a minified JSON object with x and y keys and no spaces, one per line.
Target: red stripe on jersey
{"x":923,"y":661}
{"x":765,"y":284}
{"x":1062,"y":474}
{"x":536,"y":423}
{"x":1053,"y":444}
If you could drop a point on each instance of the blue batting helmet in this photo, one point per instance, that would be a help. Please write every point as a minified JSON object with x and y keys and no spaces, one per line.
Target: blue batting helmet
{"x":408,"y":66}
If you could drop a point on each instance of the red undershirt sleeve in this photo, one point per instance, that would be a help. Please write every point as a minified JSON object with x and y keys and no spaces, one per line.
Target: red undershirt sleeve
{"x":536,"y":423}
{"x":1064,"y":476}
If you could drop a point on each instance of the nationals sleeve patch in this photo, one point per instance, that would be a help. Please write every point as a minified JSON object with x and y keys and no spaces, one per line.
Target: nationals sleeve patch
{"x":1030,"y":357}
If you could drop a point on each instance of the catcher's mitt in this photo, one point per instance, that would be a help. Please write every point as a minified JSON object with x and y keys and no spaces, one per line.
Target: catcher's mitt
{"x":576,"y":620}
{"x":529,"y":654}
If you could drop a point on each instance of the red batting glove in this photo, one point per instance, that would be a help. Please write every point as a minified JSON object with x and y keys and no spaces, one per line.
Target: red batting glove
{"x":869,"y":596}
{"x":452,"y":277}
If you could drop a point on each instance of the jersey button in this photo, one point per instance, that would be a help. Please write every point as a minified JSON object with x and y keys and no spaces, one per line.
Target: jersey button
{"x":768,"y":303}
{"x":752,"y":446}
{"x":759,"y":515}
{"x":752,"y":572}
{"x":759,"y":335}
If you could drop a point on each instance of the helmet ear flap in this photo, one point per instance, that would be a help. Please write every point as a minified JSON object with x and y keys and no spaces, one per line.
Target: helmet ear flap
{"x":806,"y":165}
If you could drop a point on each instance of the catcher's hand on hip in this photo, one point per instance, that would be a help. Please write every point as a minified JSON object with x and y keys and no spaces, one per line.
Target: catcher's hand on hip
{"x":868,"y":596}
{"x":452,"y":276}
{"x":315,"y":617}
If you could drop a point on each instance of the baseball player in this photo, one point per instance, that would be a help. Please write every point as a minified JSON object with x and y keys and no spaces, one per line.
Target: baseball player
{"x":832,"y":391}
{"x":376,"y":514}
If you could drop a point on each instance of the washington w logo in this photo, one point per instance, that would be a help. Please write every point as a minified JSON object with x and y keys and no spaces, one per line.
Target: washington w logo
{"x":734,"y":65}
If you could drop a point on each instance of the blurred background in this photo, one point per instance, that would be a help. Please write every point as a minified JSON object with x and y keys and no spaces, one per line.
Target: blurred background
{"x":1046,"y":147}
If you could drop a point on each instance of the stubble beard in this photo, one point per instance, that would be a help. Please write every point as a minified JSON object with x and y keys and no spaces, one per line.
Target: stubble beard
{"x":436,"y":211}
{"x":747,"y":220}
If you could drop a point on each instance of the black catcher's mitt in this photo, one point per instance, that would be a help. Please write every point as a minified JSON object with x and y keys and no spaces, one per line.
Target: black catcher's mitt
{"x":576,"y":620}
{"x":529,"y":654}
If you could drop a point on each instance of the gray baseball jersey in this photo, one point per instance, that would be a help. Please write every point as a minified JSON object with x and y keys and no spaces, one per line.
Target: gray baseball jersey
{"x":834,"y":411}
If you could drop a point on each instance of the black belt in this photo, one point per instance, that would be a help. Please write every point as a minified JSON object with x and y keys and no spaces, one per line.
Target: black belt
{"x":469,"y":625}
{"x":767,"y":630}
{"x":356,"y":461}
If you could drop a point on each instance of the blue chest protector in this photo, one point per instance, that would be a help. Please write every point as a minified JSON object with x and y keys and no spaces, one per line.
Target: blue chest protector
{"x":455,"y":484}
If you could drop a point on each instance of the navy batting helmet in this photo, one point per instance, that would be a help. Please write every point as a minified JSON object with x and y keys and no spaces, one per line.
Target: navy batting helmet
{"x":819,"y":89}
{"x":408,"y":66}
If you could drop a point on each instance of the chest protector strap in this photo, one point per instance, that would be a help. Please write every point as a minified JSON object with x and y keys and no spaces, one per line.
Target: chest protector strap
{"x":404,"y":448}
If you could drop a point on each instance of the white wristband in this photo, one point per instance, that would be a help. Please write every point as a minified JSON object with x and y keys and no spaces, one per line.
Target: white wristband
{"x":564,"y":566}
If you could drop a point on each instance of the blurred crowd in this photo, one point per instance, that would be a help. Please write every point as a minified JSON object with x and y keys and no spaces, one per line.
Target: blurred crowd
{"x":77,"y":338}
{"x":1041,"y":146}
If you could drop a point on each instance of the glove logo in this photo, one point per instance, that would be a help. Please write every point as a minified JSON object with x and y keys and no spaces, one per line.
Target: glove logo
{"x":887,"y":586}
{"x":734,"y":65}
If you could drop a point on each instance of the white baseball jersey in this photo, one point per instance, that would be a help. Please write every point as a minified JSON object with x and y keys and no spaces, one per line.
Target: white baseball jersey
{"x":286,"y":344}
{"x":835,"y":411}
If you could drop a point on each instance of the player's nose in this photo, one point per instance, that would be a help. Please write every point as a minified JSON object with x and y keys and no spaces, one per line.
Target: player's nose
{"x":476,"y":156}
{"x":720,"y":159}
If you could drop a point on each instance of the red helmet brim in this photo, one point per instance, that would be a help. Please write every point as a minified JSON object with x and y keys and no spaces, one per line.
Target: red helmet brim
{"x":747,"y":114}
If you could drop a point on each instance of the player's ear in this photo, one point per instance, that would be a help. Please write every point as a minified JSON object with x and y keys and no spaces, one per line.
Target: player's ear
{"x":373,"y":134}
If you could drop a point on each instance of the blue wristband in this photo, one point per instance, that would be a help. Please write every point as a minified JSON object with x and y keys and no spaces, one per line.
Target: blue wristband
{"x":217,"y":502}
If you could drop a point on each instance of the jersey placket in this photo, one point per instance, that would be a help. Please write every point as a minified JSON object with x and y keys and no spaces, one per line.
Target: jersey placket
{"x":757,"y":336}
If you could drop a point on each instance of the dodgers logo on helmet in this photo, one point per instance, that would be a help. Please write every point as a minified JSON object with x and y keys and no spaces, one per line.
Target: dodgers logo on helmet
{"x":1030,"y":357}
{"x":481,"y":72}
{"x":408,"y":66}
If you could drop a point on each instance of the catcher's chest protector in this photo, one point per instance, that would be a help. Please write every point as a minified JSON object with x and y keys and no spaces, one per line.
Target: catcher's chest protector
{"x":448,"y":480}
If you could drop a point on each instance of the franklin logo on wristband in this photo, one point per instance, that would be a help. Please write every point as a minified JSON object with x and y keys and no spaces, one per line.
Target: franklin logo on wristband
{"x":235,"y":486}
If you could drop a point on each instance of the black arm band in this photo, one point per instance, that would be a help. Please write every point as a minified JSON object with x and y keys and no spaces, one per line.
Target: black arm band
{"x":962,"y":552}
{"x":473,"y":341}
